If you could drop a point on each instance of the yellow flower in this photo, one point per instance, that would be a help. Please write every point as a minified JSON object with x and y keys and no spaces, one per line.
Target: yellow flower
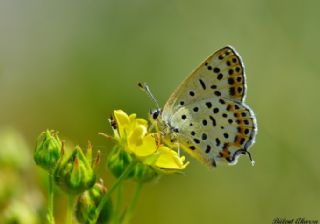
{"x":132,"y":133}
{"x":170,"y":159}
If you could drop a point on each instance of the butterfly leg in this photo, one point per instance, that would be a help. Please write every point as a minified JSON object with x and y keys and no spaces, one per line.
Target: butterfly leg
{"x":151,"y":127}
{"x":178,"y":148}
{"x":174,"y":142}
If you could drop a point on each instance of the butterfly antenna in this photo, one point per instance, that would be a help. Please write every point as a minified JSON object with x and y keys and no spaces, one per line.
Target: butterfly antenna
{"x":146,"y":89}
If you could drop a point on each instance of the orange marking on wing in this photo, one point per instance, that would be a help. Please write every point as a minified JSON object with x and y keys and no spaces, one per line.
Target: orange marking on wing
{"x":225,"y":153}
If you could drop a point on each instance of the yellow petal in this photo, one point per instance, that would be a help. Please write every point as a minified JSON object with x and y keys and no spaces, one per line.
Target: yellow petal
{"x":132,"y":117}
{"x":122,"y":120}
{"x":142,"y":122}
{"x":169,"y":159}
{"x":134,"y":122}
{"x":147,"y":147}
{"x":136,"y":135}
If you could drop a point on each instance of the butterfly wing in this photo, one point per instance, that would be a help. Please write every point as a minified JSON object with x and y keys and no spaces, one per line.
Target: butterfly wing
{"x":221,"y":74}
{"x":215,"y":129}
{"x":220,"y":78}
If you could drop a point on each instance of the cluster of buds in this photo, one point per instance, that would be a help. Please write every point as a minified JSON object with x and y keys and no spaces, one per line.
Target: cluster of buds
{"x":73,"y":173}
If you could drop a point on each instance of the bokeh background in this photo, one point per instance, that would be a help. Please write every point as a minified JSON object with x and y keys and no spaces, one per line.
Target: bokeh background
{"x":65,"y":65}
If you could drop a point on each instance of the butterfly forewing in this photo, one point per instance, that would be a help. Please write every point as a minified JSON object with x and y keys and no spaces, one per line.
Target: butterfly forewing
{"x":220,"y":75}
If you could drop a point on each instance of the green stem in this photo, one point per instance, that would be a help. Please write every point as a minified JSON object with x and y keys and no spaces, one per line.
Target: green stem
{"x":107,"y":196}
{"x":133,"y":204}
{"x":50,"y":199}
{"x":70,"y":209}
{"x":117,"y":204}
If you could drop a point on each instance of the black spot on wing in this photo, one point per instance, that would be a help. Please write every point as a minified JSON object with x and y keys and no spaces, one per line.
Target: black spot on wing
{"x":204,"y":122}
{"x":216,"y":70}
{"x":208,"y":149}
{"x":218,"y":142}
{"x":204,"y":136}
{"x":203,"y":85}
{"x":213,"y":163}
{"x":213,"y":120}
{"x":196,"y":140}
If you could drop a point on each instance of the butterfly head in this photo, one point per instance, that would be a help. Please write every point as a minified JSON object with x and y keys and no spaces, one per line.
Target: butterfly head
{"x":155,"y":114}
{"x":155,"y":118}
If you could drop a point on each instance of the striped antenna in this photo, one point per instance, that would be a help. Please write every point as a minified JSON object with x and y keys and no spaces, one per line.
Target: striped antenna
{"x":144,"y":86}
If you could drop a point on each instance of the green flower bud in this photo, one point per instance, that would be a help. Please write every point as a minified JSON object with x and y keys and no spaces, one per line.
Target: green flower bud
{"x":144,"y":173}
{"x":75,"y":174}
{"x":48,"y":150}
{"x":88,"y":202}
{"x":118,"y":160}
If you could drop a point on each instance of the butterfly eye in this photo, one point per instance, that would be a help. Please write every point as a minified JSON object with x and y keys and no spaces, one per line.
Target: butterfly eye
{"x":155,"y":114}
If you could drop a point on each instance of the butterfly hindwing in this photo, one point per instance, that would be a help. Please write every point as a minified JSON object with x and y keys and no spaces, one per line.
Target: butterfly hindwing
{"x":215,"y":129}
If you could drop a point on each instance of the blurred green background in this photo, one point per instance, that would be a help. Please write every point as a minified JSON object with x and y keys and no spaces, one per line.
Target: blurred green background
{"x":66,"y":65}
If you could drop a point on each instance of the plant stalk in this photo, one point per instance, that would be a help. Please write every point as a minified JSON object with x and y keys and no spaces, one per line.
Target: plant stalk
{"x":117,"y":204}
{"x":50,"y":199}
{"x":107,"y":196}
{"x":69,"y":217}
{"x":133,"y":205}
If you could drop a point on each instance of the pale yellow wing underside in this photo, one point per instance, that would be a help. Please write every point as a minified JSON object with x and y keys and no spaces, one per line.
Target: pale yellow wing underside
{"x":207,"y":110}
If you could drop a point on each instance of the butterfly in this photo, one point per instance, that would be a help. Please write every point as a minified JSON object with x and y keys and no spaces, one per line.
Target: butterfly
{"x":206,"y":115}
